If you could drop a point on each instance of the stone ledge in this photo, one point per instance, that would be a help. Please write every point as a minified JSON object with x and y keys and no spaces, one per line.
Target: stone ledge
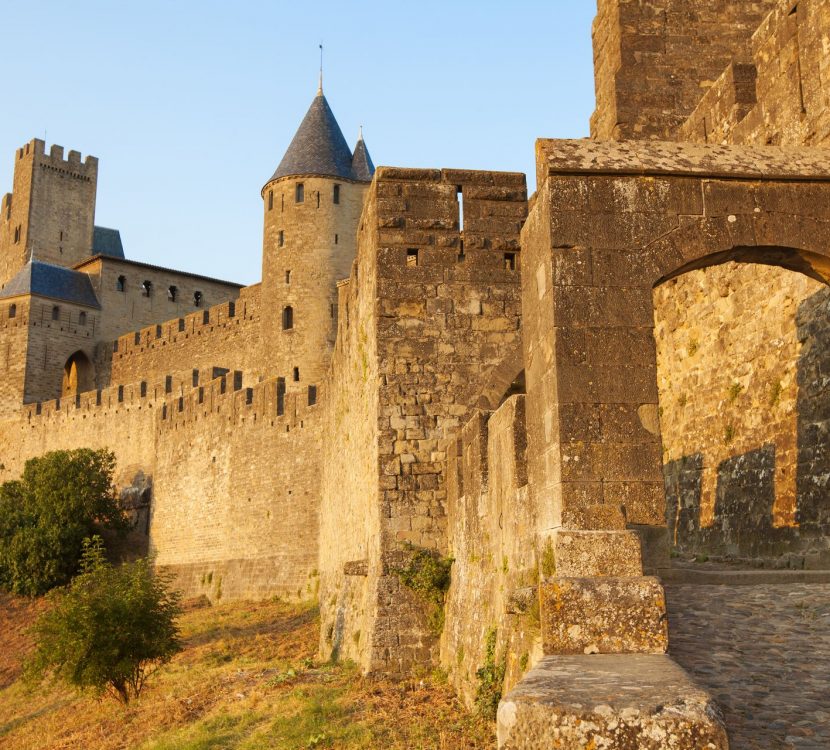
{"x":614,"y":702}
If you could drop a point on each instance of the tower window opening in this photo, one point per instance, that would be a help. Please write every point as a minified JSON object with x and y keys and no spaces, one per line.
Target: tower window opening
{"x":82,"y":318}
{"x":287,"y":318}
{"x":282,"y":202}
{"x":459,"y":194}
{"x":172,"y":291}
{"x":510,"y":261}
{"x":56,"y":312}
{"x":336,"y":239}
{"x":288,"y":277}
{"x":331,"y":310}
{"x":121,"y":284}
{"x":411,"y":257}
{"x":12,"y":311}
{"x":312,"y":395}
{"x":299,"y":193}
{"x":336,"y":194}
{"x":296,"y":374}
{"x":318,"y":199}
{"x":281,"y":238}
{"x":146,"y":288}
{"x":270,"y":200}
{"x":17,"y":234}
{"x":61,"y":239}
{"x":197,"y":299}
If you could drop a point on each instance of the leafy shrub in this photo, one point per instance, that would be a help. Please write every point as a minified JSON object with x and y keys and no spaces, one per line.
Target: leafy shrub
{"x":62,"y":499}
{"x":109,"y":629}
{"x":490,"y":678}
{"x":428,"y":575}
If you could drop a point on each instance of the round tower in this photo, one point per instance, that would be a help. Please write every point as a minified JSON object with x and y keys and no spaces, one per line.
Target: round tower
{"x":312,"y":205}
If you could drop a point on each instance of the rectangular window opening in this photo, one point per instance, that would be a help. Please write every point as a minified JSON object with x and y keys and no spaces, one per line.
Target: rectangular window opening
{"x":336,"y":194}
{"x":459,"y":194}
{"x":312,"y":395}
{"x":270,"y":200}
{"x":299,"y":193}
{"x":281,"y":238}
{"x":336,"y":238}
{"x":510,"y":261}
{"x":288,"y":277}
{"x":411,"y":257}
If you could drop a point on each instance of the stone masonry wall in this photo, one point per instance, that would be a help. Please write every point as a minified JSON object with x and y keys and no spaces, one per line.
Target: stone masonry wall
{"x":730,"y":391}
{"x":237,"y":491}
{"x":14,"y":337}
{"x":654,"y":59}
{"x":778,"y":90}
{"x":492,"y":531}
{"x":447,"y":311}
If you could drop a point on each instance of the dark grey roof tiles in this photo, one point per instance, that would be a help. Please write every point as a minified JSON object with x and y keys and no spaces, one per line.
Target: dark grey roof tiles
{"x":362,"y":165}
{"x":318,"y":146}
{"x":107,"y":242}
{"x":56,"y":282}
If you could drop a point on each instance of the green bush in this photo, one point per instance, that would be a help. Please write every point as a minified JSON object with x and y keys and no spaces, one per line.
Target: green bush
{"x":62,"y":499}
{"x":490,"y":677}
{"x":428,"y":575}
{"x":109,"y":629}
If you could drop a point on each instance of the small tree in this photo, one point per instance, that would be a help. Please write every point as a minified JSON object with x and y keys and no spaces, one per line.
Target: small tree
{"x":110,"y":629}
{"x":62,"y":499}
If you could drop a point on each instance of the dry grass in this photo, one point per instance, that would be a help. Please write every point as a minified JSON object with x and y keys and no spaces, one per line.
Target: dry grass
{"x":247,"y":679}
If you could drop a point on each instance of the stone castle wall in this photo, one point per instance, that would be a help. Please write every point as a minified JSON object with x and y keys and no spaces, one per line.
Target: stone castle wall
{"x":493,"y":538}
{"x":446,"y":309}
{"x":237,"y":491}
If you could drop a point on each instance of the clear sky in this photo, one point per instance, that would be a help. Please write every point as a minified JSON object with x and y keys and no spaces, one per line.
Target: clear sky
{"x":189,"y":106}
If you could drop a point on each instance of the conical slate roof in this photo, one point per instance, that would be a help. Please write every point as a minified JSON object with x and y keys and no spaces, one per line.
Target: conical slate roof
{"x":56,"y":282}
{"x":318,"y":146}
{"x":362,"y":165}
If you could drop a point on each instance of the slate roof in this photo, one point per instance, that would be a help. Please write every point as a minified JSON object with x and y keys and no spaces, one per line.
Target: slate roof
{"x":107,"y":242}
{"x":362,"y":166}
{"x":318,"y":147}
{"x":56,"y":282}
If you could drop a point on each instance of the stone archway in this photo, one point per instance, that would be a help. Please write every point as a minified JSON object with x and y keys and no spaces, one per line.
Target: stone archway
{"x":611,"y":221}
{"x":78,"y":375}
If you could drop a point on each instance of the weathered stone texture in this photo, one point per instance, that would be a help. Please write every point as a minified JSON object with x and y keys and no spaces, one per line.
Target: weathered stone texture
{"x":628,"y":702}
{"x":492,"y":536}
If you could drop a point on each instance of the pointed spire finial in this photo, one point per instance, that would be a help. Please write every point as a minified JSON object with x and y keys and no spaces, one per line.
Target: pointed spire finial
{"x":360,"y":133}
{"x":320,"y":88}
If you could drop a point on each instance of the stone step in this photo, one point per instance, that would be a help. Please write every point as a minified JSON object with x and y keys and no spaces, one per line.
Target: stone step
{"x":619,"y":701}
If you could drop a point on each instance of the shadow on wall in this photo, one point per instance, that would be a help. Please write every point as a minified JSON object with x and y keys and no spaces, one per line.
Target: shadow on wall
{"x":743,"y":526}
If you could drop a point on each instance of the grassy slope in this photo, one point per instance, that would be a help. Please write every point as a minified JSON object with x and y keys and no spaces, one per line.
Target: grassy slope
{"x":247,"y":678}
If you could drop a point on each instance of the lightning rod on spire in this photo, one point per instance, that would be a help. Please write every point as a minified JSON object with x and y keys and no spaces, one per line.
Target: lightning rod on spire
{"x":320,"y":88}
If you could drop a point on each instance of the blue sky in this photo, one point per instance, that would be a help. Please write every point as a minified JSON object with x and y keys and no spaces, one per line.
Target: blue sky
{"x":190,"y":106}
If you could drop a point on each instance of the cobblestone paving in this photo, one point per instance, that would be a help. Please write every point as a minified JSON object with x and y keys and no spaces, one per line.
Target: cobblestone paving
{"x":763,"y":652}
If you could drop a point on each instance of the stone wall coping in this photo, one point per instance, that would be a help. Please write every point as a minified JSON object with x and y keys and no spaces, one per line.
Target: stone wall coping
{"x":557,"y":157}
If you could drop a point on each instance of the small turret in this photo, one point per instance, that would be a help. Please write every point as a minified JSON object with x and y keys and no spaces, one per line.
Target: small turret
{"x":362,"y":166}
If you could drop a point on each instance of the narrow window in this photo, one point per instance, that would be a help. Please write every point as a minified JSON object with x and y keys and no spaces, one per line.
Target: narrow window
{"x":17,"y":234}
{"x":411,"y":257}
{"x":121,"y":284}
{"x":336,"y":194}
{"x":280,"y":396}
{"x":461,"y":255}
{"x":287,"y":318}
{"x":168,"y":383}
{"x":331,"y":310}
{"x":318,"y":199}
{"x":12,"y":311}
{"x":146,"y":288}
{"x":288,"y":277}
{"x":299,"y":193}
{"x":282,"y":202}
{"x":171,"y":293}
{"x":197,"y":299}
{"x":61,"y":237}
{"x":195,"y":378}
{"x":270,"y":200}
{"x":281,"y":238}
{"x":336,"y":238}
{"x":510,"y":261}
{"x":296,"y":374}
{"x":312,"y":395}
{"x":56,"y":312}
{"x":81,"y":318}
{"x":459,"y":194}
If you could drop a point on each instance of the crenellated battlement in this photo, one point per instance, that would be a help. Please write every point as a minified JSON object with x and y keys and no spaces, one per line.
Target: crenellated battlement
{"x":210,"y":320}
{"x":139,"y":395}
{"x":227,"y":396}
{"x":6,"y":207}
{"x":72,"y":165}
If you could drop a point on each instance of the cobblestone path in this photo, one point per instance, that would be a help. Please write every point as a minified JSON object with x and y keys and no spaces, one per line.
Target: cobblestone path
{"x":763,"y":652}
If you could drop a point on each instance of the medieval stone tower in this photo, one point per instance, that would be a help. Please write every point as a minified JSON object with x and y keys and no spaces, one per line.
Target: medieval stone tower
{"x":50,"y":214}
{"x":312,"y":205}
